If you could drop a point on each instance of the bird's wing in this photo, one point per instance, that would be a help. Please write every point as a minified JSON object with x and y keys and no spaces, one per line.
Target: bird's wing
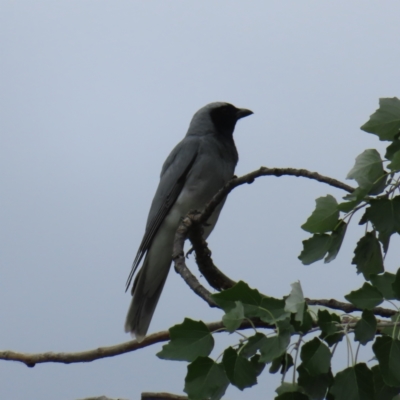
{"x":172,"y":180}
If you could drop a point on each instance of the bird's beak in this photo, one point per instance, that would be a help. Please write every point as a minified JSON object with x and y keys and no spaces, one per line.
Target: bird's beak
{"x":243,"y":112}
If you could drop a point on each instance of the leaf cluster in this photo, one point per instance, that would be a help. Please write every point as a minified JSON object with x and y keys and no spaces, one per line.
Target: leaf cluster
{"x":375,"y":193}
{"x":281,"y":326}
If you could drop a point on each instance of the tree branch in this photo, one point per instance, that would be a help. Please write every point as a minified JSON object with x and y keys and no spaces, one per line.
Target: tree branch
{"x":31,"y":359}
{"x":349,"y":308}
{"x":215,"y":275}
{"x":178,"y":256}
{"x":265,"y":171}
{"x":193,"y":229}
{"x":215,"y":278}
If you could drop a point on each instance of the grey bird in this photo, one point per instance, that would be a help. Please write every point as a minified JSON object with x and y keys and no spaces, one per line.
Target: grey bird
{"x":192,"y":174}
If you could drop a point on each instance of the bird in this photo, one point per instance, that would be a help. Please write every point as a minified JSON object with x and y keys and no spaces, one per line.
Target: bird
{"x":201,"y":164}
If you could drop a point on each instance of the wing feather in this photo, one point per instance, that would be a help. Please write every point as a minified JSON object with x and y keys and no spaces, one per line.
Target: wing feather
{"x":172,"y":180}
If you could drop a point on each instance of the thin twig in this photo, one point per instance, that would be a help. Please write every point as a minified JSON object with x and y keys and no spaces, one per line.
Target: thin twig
{"x":349,"y":308}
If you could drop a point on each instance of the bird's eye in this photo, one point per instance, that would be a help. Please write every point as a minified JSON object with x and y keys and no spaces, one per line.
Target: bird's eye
{"x":224,"y":110}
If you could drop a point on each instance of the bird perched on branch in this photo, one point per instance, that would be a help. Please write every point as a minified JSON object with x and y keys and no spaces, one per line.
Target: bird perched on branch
{"x":192,"y":174}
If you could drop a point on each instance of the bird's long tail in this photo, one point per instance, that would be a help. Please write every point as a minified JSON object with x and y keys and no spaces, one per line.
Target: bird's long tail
{"x":146,"y":292}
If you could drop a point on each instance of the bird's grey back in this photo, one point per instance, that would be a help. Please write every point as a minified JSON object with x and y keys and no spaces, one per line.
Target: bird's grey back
{"x":201,"y":143}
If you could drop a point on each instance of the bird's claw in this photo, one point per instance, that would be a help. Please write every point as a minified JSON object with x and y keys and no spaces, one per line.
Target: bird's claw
{"x":189,"y":252}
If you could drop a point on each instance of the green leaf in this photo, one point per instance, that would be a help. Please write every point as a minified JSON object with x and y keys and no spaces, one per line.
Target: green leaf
{"x":314,"y":386}
{"x":381,"y":390}
{"x":385,"y":216}
{"x":396,"y":285}
{"x":363,"y":219}
{"x":354,"y":383}
{"x":325,"y":216}
{"x":253,"y":344}
{"x":205,"y":379}
{"x":274,"y":346}
{"x":304,"y":326}
{"x":315,"y":248}
{"x":276,"y":364}
{"x":189,"y":340}
{"x":384,"y":283}
{"x":367,"y":297}
{"x":385,"y":121}
{"x":316,"y":357}
{"x":250,"y":298}
{"x":392,"y":149}
{"x":368,"y":256}
{"x":286,"y":325}
{"x":258,"y":366}
{"x":240,"y":371}
{"x":348,"y":206}
{"x":365,"y":328}
{"x":272,"y":310}
{"x":337,"y":237}
{"x":254,"y":304}
{"x":387,"y":351}
{"x":368,"y":172}
{"x":294,"y":303}
{"x":395,"y":164}
{"x":393,"y":331}
{"x":287,"y":387}
{"x":318,"y":245}
{"x":330,"y":331}
{"x":283,"y":363}
{"x":353,"y":199}
{"x":233,"y":318}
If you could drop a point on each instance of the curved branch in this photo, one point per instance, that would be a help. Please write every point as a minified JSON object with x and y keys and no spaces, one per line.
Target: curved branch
{"x":215,"y":278}
{"x":191,"y":228}
{"x":226,"y":283}
{"x":178,"y":257}
{"x":265,"y":171}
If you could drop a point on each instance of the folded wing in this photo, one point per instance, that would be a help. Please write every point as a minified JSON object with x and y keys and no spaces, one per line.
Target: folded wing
{"x":172,"y":179}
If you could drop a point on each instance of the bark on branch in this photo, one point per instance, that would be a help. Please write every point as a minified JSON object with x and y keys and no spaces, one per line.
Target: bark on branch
{"x":265,"y":171}
{"x":31,"y":359}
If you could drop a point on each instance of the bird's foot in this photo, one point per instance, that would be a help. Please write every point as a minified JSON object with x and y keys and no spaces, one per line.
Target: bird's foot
{"x":189,"y":252}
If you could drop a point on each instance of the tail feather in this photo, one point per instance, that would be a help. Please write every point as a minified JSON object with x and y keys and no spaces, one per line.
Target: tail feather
{"x":146,"y":292}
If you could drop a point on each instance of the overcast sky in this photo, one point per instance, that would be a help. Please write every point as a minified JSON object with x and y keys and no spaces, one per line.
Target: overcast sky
{"x":95,"y":94}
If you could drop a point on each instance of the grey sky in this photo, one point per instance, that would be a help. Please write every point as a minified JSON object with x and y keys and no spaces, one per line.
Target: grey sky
{"x":95,"y":94}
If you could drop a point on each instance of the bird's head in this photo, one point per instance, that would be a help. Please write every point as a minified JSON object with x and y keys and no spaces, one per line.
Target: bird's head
{"x":218,"y":117}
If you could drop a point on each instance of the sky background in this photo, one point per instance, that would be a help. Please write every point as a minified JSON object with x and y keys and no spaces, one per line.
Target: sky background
{"x":93,"y":97}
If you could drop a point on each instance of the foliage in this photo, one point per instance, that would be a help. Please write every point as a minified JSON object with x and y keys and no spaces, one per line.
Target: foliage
{"x":288,"y":322}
